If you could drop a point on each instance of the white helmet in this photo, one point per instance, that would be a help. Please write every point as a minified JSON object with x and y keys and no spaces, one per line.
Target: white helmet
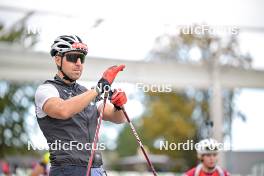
{"x":66,"y":43}
{"x":207,"y":146}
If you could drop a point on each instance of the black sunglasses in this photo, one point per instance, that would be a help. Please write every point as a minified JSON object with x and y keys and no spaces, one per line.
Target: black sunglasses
{"x":73,"y":57}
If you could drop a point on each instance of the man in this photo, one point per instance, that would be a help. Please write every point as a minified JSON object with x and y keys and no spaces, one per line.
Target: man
{"x":67,"y":113}
{"x":207,"y":152}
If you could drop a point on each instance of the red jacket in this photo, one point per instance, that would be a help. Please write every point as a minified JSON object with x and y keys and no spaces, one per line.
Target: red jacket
{"x":217,"y":172}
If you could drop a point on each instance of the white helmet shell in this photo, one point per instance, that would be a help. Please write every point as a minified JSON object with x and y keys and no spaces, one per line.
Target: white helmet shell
{"x":207,"y":146}
{"x":66,"y":43}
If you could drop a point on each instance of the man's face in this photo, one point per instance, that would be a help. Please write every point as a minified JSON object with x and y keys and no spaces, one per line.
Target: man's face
{"x":210,"y":160}
{"x":72,"y":68}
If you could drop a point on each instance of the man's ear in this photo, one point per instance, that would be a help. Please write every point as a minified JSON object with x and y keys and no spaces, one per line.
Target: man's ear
{"x":58,"y":60}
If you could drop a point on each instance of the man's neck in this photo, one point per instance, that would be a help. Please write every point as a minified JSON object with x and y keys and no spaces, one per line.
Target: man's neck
{"x":61,"y":76}
{"x":208,"y":170}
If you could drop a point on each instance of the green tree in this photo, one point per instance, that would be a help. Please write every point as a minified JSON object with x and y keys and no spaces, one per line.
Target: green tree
{"x":126,"y":144}
{"x":18,"y":33}
{"x":178,"y":116}
{"x":169,"y":119}
{"x":209,"y":48}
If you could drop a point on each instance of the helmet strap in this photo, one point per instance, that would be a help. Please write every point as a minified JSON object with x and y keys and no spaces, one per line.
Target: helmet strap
{"x":65,"y":76}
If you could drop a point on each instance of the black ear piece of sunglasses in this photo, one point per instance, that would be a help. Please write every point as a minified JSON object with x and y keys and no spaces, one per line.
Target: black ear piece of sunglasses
{"x":73,"y":57}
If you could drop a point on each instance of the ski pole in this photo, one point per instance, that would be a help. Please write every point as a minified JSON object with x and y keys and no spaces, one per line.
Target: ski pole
{"x":139,"y":142}
{"x":96,"y":137}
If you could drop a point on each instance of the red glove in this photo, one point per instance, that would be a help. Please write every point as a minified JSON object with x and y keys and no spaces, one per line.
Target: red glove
{"x":118,"y":98}
{"x":111,"y":73}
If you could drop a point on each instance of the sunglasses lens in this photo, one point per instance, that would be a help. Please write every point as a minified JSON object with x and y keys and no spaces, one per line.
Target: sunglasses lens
{"x":74,"y":57}
{"x":71,"y":58}
{"x":82,"y":57}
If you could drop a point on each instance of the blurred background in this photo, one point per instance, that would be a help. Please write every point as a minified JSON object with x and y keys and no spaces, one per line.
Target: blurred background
{"x":203,"y":61}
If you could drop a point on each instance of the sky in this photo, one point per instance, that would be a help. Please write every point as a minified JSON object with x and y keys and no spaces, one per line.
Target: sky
{"x":249,"y":135}
{"x":129,"y":28}
{"x":136,"y":23}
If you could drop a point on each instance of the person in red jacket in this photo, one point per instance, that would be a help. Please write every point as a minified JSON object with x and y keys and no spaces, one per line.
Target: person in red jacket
{"x":207,"y":152}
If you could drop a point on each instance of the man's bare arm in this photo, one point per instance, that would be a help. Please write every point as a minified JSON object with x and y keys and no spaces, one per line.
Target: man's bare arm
{"x":112,"y":115}
{"x":64,"y":109}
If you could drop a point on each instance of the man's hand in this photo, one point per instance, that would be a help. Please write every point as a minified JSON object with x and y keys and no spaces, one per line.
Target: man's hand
{"x":118,"y":98}
{"x":111,"y":73}
{"x":104,"y":84}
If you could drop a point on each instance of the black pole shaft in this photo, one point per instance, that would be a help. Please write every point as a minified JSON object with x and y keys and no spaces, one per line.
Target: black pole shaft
{"x":139,"y":142}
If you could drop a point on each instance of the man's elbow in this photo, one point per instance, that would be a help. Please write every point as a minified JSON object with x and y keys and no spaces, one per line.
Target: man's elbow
{"x":114,"y":119}
{"x":119,"y":120}
{"x":63,"y":113}
{"x":123,"y":120}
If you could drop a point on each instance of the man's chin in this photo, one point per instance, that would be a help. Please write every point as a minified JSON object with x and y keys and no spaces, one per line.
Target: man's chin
{"x":211,"y":167}
{"x":76,"y":76}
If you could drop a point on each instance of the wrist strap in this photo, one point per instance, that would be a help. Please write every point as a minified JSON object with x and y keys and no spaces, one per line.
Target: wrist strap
{"x":98,"y":90}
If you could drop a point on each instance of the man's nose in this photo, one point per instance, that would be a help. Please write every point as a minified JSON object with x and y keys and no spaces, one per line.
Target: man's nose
{"x":78,"y":62}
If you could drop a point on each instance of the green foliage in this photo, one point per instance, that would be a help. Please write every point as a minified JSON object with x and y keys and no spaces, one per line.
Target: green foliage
{"x":169,"y":118}
{"x":15,"y":103}
{"x":126,"y":144}
{"x":15,"y":98}
{"x":224,"y":50}
{"x":177,"y":117}
{"x":18,"y":33}
{"x":178,"y":47}
{"x":162,"y":116}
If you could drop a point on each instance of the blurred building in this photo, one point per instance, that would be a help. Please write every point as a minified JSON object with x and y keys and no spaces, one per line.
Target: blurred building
{"x":245,"y":162}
